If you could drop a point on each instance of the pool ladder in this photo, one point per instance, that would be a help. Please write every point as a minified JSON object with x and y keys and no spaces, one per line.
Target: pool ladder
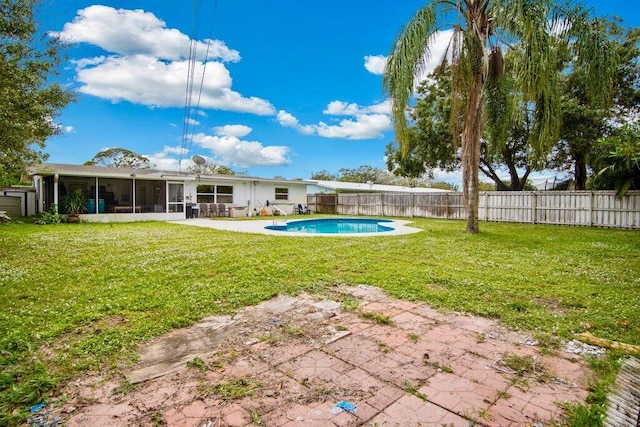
{"x":286,"y":217}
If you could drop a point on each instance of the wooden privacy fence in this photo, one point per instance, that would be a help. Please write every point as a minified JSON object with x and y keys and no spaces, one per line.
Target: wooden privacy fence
{"x":585,"y":208}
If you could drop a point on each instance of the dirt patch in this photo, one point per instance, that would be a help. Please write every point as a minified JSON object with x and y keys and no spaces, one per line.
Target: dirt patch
{"x":301,"y":360}
{"x":553,"y":305}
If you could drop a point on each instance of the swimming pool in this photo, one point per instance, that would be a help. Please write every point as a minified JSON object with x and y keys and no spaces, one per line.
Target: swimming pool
{"x":334,"y":226}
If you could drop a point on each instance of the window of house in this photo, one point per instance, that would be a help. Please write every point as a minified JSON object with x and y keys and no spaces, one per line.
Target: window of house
{"x":214,"y":194}
{"x":224,"y":193}
{"x":282,"y":193}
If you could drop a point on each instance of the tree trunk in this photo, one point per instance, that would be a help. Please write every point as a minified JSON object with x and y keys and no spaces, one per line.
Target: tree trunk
{"x":580,"y":171}
{"x":471,"y":152}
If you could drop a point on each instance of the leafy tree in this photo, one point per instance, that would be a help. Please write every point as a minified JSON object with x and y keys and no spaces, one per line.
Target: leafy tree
{"x":583,"y":122}
{"x":29,"y":101}
{"x":362,"y":174}
{"x":324,"y":175}
{"x":365,"y":174}
{"x":486,"y":186}
{"x":480,"y":29}
{"x":119,"y":158}
{"x":210,"y":168}
{"x":617,"y":160}
{"x":444,"y":186}
{"x":431,"y":143}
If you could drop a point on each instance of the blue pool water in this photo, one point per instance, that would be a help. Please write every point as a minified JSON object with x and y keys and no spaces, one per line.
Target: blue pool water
{"x":334,"y":226}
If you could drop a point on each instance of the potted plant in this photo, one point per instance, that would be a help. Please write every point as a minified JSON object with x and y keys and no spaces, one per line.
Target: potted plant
{"x":75,"y":204}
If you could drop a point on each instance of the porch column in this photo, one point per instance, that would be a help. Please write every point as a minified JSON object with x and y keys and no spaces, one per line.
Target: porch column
{"x":55,"y":193}
{"x":96,"y":197}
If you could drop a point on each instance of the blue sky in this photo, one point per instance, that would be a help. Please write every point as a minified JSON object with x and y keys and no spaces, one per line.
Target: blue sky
{"x":291,"y":87}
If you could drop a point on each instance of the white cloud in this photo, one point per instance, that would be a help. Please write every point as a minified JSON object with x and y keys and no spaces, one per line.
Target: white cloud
{"x":233,"y":130}
{"x":174,"y":150}
{"x":368,"y":122}
{"x":148,"y":62}
{"x":230,"y":149}
{"x":288,"y":120}
{"x":166,"y":159}
{"x":340,"y":108}
{"x":69,"y":129}
{"x":88,"y":62}
{"x":365,"y":126}
{"x":191,"y":122}
{"x":375,"y":64}
{"x":132,"y":32}
{"x":146,"y":80}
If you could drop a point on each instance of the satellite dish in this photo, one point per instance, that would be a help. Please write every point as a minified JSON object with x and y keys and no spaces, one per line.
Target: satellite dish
{"x":199,"y":160}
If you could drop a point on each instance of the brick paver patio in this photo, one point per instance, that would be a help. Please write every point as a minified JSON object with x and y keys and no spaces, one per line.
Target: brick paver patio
{"x":415,"y":367}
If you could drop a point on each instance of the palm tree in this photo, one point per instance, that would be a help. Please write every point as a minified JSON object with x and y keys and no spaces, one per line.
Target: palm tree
{"x":538,"y":29}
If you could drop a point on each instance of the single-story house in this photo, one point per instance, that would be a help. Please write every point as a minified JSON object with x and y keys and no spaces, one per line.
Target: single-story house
{"x":120,"y":194}
{"x":320,"y":186}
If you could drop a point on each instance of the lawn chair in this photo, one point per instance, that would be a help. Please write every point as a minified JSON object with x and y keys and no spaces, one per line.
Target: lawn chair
{"x":222,"y":209}
{"x":213,"y":209}
{"x":204,"y":210}
{"x":303,"y":210}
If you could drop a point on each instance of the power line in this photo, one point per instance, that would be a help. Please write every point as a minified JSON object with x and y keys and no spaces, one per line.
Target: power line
{"x":189,"y":123}
{"x":193,"y":50}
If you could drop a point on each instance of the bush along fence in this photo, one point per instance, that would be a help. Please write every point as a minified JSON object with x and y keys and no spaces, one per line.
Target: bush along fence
{"x":583,"y":208}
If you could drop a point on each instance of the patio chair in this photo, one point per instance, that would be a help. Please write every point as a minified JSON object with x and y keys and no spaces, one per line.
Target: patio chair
{"x":204,"y":210}
{"x":222,"y":209}
{"x":303,"y":210}
{"x":213,"y":209}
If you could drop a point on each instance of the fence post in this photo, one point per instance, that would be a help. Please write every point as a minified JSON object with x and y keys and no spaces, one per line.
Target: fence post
{"x":413,"y":205}
{"x":486,"y":206}
{"x":446,"y":205}
{"x":534,"y":206}
{"x":382,"y":202}
{"x":591,"y":209}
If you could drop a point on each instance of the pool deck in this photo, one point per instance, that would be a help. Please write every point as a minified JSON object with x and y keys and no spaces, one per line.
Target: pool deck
{"x":258,"y":226}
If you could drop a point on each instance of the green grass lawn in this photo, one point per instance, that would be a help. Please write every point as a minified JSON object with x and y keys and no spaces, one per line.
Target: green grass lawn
{"x":81,"y":297}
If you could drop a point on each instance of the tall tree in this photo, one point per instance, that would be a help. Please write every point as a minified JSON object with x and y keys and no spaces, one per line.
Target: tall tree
{"x":29,"y":100}
{"x":431,"y":143}
{"x":362,"y":174}
{"x":324,"y":175}
{"x":583,"y":123}
{"x":119,"y":158}
{"x":210,"y":168}
{"x":481,"y":28}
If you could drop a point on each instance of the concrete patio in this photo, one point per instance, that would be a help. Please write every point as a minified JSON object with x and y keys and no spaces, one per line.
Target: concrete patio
{"x":290,"y":361}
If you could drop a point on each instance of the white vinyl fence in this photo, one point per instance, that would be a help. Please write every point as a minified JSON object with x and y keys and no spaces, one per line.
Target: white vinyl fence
{"x":584,"y":208}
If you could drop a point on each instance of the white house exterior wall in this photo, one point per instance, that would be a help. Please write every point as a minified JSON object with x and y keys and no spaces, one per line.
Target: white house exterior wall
{"x":254,"y":195}
{"x":130,"y":217}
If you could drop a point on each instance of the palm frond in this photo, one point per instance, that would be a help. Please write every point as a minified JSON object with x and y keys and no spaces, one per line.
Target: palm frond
{"x":408,"y":56}
{"x":595,"y":52}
